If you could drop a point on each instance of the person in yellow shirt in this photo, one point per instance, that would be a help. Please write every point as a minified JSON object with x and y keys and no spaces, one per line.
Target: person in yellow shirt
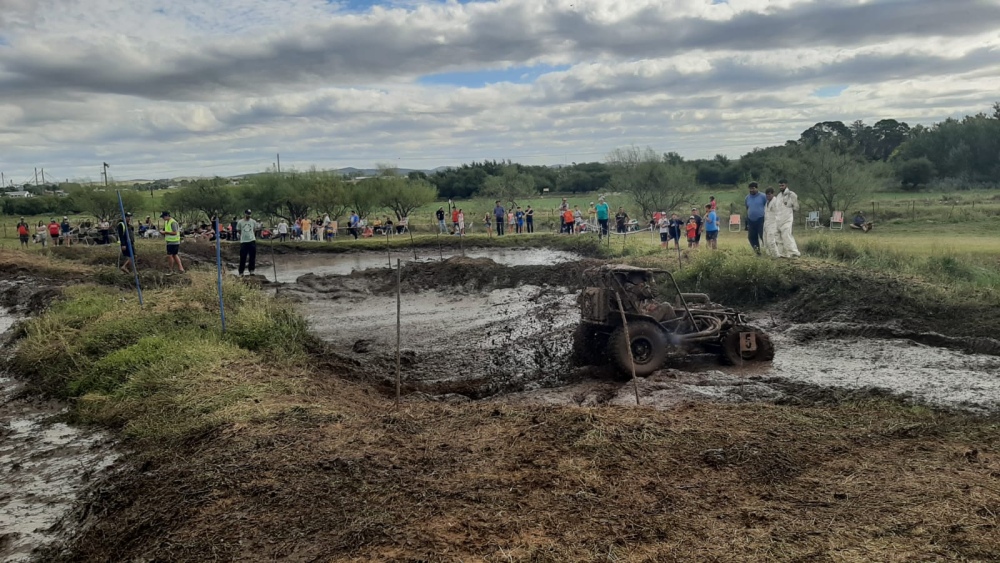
{"x":306,"y":229}
{"x":172,"y":236}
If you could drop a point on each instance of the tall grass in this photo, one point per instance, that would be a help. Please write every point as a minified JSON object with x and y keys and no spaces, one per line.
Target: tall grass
{"x":167,"y":365}
{"x":950,"y":268}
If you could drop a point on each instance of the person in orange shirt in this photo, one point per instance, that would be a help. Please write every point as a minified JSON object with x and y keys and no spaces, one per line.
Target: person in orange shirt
{"x":692,"y":231}
{"x":568,"y":221}
{"x":454,"y":220}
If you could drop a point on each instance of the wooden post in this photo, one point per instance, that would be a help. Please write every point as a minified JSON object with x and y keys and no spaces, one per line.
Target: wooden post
{"x":399,"y":300}
{"x":440,"y":252}
{"x":461,"y":243}
{"x":628,"y":344}
{"x":680,"y":265}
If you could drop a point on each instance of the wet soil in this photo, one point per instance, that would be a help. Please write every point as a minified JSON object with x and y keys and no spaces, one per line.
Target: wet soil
{"x":474,"y":329}
{"x":45,"y":466}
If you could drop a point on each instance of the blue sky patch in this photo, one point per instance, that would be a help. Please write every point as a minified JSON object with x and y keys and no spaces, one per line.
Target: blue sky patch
{"x":830,"y":91}
{"x":481,"y":78}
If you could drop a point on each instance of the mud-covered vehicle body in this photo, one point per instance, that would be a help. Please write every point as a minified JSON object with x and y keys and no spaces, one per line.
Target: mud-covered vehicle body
{"x":657,"y":329}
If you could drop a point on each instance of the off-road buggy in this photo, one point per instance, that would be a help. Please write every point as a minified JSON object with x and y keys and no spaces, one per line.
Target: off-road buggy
{"x":658,"y":330}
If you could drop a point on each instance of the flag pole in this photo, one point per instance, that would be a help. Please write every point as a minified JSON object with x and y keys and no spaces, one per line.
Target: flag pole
{"x":131,"y":248}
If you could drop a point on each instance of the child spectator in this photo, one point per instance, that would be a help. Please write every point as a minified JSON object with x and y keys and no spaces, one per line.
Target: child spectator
{"x":692,"y":231}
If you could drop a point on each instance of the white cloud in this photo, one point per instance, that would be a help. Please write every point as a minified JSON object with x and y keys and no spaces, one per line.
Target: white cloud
{"x":217,"y":86}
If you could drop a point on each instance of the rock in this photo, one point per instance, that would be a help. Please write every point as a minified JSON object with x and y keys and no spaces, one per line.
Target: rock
{"x":363,"y":346}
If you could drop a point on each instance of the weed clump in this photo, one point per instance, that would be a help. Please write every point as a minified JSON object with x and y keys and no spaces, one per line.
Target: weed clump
{"x":125,"y":364}
{"x":739,"y":278}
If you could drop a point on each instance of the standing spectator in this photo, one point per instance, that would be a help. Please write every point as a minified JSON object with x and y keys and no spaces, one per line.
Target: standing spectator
{"x":756,"y":202}
{"x":307,"y":228}
{"x":770,"y":229}
{"x":568,"y":219}
{"x":711,"y":203}
{"x":440,"y":217}
{"x":454,"y":220}
{"x":711,"y":227}
{"x":23,"y":232}
{"x":127,"y":242}
{"x":67,"y":231}
{"x":603,"y":214}
{"x":676,"y":226}
{"x":621,"y":219}
{"x":701,"y":226}
{"x":172,"y":236}
{"x":511,"y":222}
{"x":529,"y":218}
{"x":232,"y":228}
{"x":788,"y":204}
{"x":42,"y":234}
{"x":577,"y":218}
{"x":54,"y":231}
{"x":355,"y":225}
{"x":104,"y":227}
{"x":486,"y":221}
{"x":692,"y":231}
{"x":248,"y":242}
{"x":592,"y":213}
{"x":326,"y":226}
{"x":664,"y":225}
{"x":499,"y":213}
{"x":519,"y":218}
{"x":562,"y":215}
{"x":461,"y":222}
{"x":282,"y":230}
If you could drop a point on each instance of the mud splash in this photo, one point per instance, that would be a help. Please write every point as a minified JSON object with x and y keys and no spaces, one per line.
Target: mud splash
{"x":45,"y":466}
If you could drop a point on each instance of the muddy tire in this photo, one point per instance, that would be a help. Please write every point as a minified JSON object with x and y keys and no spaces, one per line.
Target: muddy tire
{"x":590,"y":346}
{"x":731,"y":349}
{"x":649,"y":348}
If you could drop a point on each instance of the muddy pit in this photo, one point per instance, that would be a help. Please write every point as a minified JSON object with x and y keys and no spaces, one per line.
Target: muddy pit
{"x":291,"y":267}
{"x":475,"y":329}
{"x":45,"y":465}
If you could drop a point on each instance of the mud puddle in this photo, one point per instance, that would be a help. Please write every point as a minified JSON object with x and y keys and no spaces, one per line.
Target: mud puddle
{"x":483,"y":330}
{"x":44,"y":467}
{"x":290,"y":268}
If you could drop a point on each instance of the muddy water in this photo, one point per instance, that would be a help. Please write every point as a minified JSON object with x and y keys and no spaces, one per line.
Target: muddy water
{"x":512,"y":345}
{"x":44,"y":466}
{"x":291,"y":267}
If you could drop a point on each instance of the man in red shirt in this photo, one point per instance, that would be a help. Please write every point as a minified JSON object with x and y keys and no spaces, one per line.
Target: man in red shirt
{"x":454,"y":220}
{"x":23,"y":232}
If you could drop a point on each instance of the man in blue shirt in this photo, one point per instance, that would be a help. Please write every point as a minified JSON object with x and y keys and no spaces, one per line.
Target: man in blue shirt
{"x":499,"y":213}
{"x":711,"y":227}
{"x":755,"y":202}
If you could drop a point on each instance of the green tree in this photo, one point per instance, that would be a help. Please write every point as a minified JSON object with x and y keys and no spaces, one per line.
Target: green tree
{"x":211,"y":198}
{"x":915,"y":173}
{"x":509,"y":186}
{"x":830,"y":180}
{"x":365,"y":196}
{"x":652,"y":183}
{"x":103,"y":203}
{"x":403,"y":195}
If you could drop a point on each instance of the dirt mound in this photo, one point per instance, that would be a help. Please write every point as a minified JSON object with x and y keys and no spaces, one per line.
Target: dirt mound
{"x":825,"y":331}
{"x":482,"y":482}
{"x":456,"y":274}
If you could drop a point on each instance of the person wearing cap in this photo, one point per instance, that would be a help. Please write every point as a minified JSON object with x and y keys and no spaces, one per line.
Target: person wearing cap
{"x":248,"y":242}
{"x":54,"y":231}
{"x":127,"y":241}
{"x":23,"y":232}
{"x":563,"y":208}
{"x":67,"y":232}
{"x":104,"y":227}
{"x":711,"y":227}
{"x":592,"y":213}
{"x":603,"y":213}
{"x":172,"y":235}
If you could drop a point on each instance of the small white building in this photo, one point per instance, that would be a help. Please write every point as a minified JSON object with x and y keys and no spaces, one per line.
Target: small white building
{"x":20,"y":194}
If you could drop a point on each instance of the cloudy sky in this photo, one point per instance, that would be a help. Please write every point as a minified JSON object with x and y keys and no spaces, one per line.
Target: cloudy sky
{"x":162,"y":88}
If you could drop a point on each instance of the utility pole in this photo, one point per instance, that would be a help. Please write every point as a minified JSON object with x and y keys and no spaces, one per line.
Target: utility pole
{"x":43,"y":175}
{"x":279,"y":164}
{"x":105,"y":173}
{"x":3,"y":180}
{"x":36,"y":176}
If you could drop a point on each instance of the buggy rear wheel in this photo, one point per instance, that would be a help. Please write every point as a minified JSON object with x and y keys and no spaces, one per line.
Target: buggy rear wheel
{"x":648,"y":344}
{"x":736,"y":346}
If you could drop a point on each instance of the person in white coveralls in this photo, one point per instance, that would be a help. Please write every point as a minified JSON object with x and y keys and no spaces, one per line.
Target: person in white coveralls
{"x":788,"y":204}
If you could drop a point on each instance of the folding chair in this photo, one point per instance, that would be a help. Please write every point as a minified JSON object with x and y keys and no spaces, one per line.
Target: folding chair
{"x":837,"y":219}
{"x":734,"y":221}
{"x":813,"y":219}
